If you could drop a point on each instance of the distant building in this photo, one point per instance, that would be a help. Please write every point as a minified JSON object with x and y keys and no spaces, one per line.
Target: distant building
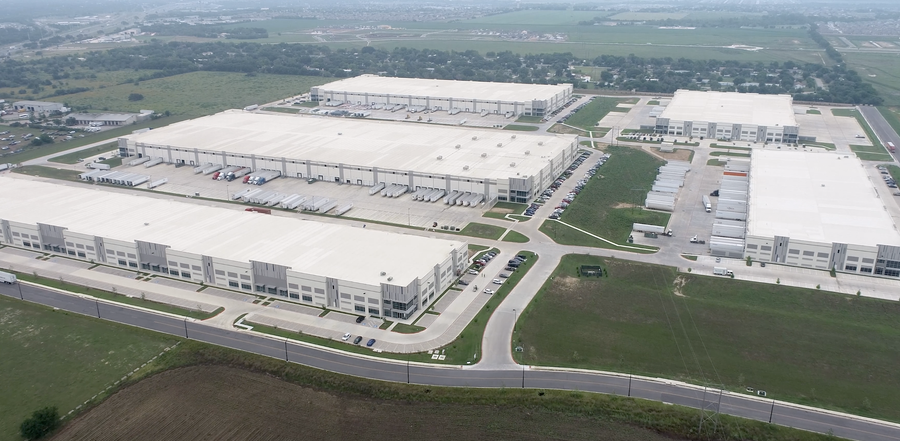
{"x":730,"y":115}
{"x":446,"y":95}
{"x":45,"y":107}
{"x":110,"y":119}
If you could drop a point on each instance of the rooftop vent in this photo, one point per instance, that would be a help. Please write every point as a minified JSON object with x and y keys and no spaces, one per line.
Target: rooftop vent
{"x":458,"y":146}
{"x":499,"y":144}
{"x":484,"y":155}
{"x":339,"y":133}
{"x":440,"y":157}
{"x":540,"y":142}
{"x":390,"y":278}
{"x":527,"y":152}
{"x":513,"y":137}
{"x":383,"y":273}
{"x":512,"y":164}
{"x":474,"y":138}
{"x":465,"y":167}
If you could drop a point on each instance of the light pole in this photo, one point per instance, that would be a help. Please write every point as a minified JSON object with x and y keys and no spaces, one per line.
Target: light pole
{"x":515,"y":318}
{"x":21,"y":297}
{"x":185,"y":328}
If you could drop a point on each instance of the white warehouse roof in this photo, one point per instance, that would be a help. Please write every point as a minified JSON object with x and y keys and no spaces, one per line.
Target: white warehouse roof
{"x":338,"y":251}
{"x":388,"y":145}
{"x":816,"y":197}
{"x":475,"y":90}
{"x":731,"y":107}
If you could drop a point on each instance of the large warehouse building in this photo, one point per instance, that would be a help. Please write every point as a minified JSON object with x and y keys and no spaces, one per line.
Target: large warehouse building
{"x":466,"y":96}
{"x":819,"y":210}
{"x":504,"y":165}
{"x":730,"y":116}
{"x":350,"y":269}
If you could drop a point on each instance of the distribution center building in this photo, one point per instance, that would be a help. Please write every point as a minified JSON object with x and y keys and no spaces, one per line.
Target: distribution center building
{"x":730,"y":116}
{"x":339,"y":267}
{"x":466,"y":96}
{"x":498,"y":164}
{"x":819,"y":210}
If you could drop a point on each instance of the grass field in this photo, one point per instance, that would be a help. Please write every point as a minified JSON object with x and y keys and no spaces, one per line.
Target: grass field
{"x":49,"y":172}
{"x":799,"y":345}
{"x":72,"y":158}
{"x":881,"y":70}
{"x":589,"y":115}
{"x":604,"y":207}
{"x":516,"y":237}
{"x":521,"y":128}
{"x":54,"y":358}
{"x":194,"y":94}
{"x":871,"y":153}
{"x":715,"y":162}
{"x":501,"y":209}
{"x":813,"y":112}
{"x":483,"y":231}
{"x":565,"y":235}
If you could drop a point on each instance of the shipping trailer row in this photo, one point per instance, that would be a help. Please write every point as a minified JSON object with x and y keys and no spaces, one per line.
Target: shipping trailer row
{"x":138,"y":161}
{"x":152,"y":162}
{"x":157,"y":183}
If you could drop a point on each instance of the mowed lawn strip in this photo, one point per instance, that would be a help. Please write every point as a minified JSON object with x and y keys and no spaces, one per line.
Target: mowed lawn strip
{"x":57,"y":358}
{"x":604,"y":206}
{"x":589,"y":115}
{"x":802,"y":345}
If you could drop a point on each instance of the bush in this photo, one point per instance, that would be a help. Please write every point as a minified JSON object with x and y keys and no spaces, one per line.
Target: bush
{"x":135,"y":97}
{"x":42,"y":422}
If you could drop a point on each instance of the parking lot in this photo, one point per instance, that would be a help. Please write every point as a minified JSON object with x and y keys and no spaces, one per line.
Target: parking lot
{"x":401,"y":210}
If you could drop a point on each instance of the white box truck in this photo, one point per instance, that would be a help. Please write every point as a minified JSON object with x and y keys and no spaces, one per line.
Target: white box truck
{"x":722,"y":271}
{"x":7,"y":278}
{"x":706,"y":204}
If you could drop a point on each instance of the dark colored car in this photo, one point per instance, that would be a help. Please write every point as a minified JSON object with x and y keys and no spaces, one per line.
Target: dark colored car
{"x":357,"y":339}
{"x":360,"y":319}
{"x":370,"y":342}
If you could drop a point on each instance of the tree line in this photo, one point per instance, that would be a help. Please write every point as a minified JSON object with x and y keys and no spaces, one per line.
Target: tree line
{"x":622,"y":73}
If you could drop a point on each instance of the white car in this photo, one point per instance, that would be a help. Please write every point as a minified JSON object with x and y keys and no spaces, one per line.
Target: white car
{"x":473,"y":272}
{"x":488,"y":291}
{"x":346,"y":337}
{"x":497,"y":282}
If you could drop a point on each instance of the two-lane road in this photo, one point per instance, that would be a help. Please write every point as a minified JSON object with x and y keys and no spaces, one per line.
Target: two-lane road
{"x":880,"y":126}
{"x":842,"y":425}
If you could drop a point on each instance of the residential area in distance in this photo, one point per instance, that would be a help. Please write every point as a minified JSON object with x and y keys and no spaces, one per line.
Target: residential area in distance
{"x":511,"y":220}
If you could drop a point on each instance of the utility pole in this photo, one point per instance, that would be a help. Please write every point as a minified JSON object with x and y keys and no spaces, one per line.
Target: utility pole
{"x":629,"y":385}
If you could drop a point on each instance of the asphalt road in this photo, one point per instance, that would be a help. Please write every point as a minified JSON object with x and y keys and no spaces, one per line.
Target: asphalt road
{"x":880,"y":126}
{"x":817,"y":420}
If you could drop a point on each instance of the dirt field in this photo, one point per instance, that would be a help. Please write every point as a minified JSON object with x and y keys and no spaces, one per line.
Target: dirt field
{"x":220,"y":403}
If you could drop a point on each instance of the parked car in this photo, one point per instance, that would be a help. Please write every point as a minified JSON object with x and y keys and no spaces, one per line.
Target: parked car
{"x":503,"y":275}
{"x":473,"y":272}
{"x":463,"y":282}
{"x":357,"y":340}
{"x":497,"y":282}
{"x":360,"y":319}
{"x":346,"y":337}
{"x":489,"y":291}
{"x":370,"y":342}
{"x":509,"y":268}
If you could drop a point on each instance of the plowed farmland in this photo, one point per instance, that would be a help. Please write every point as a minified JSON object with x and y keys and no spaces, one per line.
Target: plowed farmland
{"x":221,"y":403}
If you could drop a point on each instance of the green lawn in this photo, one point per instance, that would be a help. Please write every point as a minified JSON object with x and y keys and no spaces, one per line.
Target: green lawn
{"x":625,"y":179}
{"x":194,"y":94}
{"x":650,"y":103}
{"x":50,"y":172}
{"x":483,"y":231}
{"x":55,"y":358}
{"x":593,"y":112}
{"x":715,"y":162}
{"x":813,"y":112}
{"x":741,"y":155}
{"x":894,"y":171}
{"x":730,"y":147}
{"x":802,"y":345}
{"x":407,"y":329}
{"x":521,"y":128}
{"x":515,"y":236}
{"x":529,"y":119}
{"x":72,"y":158}
{"x":871,"y":153}
{"x":565,"y":235}
{"x":501,"y":209}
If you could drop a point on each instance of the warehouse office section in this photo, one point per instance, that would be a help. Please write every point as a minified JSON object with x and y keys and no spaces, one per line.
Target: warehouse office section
{"x":730,"y":116}
{"x":819,"y":210}
{"x":508,"y":166}
{"x":445,"y":95}
{"x":338,"y":267}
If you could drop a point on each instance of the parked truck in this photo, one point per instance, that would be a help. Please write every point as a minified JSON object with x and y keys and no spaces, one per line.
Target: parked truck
{"x":237,"y":174}
{"x":722,"y":271}
{"x":706,"y":204}
{"x":98,"y":166}
{"x":7,"y":278}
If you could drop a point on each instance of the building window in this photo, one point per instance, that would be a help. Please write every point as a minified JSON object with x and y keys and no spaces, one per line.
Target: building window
{"x":272,"y":290}
{"x":319,"y":291}
{"x":245,"y":286}
{"x":245,"y":277}
{"x":294,"y":295}
{"x":307,"y":298}
{"x":283,"y":292}
{"x":359,"y":308}
{"x":765,"y":248}
{"x":173,"y":272}
{"x":373,"y":311}
{"x":345,"y":296}
{"x":293,"y":286}
{"x":751,"y":246}
{"x":233,"y":284}
{"x":80,"y":254}
{"x":145,"y":266}
{"x":186,"y":274}
{"x":865,"y":269}
{"x":132,"y":264}
{"x":305,"y":288}
{"x":232,"y":275}
{"x":808,"y":253}
{"x":852,"y":259}
{"x":892,"y":273}
{"x":71,"y":253}
{"x":794,"y":252}
{"x":850,"y":268}
{"x":123,"y":262}
{"x":822,"y":255}
{"x":260,"y":288}
{"x":220,"y":273}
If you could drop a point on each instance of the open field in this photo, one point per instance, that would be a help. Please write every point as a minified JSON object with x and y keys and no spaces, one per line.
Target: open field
{"x":871,"y":153}
{"x":589,"y":115}
{"x":515,"y":236}
{"x":501,"y":209}
{"x":194,"y":94}
{"x":604,"y":207}
{"x":80,"y":77}
{"x":483,"y":231}
{"x":799,"y":345}
{"x":54,"y":358}
{"x":72,"y":158}
{"x":886,"y":71}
